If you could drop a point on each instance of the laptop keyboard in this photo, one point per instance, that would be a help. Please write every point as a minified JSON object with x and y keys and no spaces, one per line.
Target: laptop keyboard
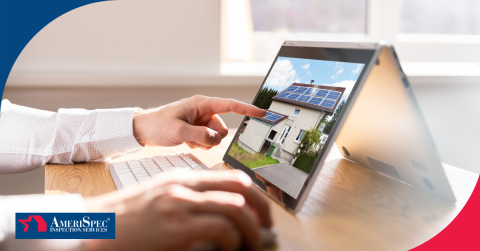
{"x":133,"y":171}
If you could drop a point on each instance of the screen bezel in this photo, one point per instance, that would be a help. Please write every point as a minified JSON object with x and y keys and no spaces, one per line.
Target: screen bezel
{"x":339,"y":52}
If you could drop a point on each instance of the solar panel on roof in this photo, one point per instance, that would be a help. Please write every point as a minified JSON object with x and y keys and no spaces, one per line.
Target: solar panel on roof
{"x":333,"y":95}
{"x":322,"y":93}
{"x":291,"y":89}
{"x":303,"y":98}
{"x":315,"y":101}
{"x":301,"y":90}
{"x":282,"y":94}
{"x":311,"y":91}
{"x":273,"y":117}
{"x":328,"y":103}
{"x":293,"y":96}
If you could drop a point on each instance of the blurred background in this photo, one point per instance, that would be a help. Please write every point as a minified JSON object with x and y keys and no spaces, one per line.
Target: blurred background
{"x":147,"y":53}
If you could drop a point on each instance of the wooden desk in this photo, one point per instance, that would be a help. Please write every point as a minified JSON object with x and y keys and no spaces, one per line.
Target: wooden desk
{"x":349,"y":208}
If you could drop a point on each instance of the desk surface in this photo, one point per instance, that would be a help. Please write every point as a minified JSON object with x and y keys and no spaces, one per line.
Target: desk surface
{"x":349,"y":208}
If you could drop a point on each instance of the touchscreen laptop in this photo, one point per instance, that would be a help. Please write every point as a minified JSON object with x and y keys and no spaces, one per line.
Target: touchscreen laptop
{"x":308,"y":93}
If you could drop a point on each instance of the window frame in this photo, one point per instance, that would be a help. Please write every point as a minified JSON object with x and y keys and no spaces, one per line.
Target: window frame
{"x":300,"y":134}
{"x":383,"y":23}
{"x":285,"y":132}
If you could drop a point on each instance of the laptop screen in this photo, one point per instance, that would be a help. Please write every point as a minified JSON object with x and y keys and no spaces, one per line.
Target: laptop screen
{"x":304,"y":94}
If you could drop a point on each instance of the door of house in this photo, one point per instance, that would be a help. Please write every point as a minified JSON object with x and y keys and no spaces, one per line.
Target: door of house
{"x":284,"y":135}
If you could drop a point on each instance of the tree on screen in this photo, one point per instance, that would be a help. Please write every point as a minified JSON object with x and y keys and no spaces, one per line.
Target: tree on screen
{"x":329,"y":125}
{"x":310,"y":139}
{"x":264,"y":99}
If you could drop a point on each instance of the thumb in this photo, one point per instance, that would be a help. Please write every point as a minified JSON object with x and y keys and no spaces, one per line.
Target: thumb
{"x":201,"y":135}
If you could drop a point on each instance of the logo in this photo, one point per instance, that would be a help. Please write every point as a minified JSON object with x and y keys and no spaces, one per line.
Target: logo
{"x":65,"y":226}
{"x":42,"y":225}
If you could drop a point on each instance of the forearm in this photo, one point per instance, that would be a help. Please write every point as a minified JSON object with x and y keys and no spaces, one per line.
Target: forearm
{"x":30,"y":138}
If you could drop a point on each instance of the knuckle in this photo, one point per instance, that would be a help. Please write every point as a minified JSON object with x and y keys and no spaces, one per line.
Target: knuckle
{"x":197,"y":97}
{"x":221,"y":226}
{"x":243,"y":179}
{"x":238,"y":204}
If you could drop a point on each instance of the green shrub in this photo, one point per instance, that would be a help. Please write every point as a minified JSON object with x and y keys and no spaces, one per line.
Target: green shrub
{"x":305,"y":161}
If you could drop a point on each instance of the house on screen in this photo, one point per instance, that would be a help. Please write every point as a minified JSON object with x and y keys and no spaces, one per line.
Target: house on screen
{"x":293,"y":111}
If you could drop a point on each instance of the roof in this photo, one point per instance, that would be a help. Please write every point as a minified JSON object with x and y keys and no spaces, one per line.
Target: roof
{"x":318,"y":97}
{"x":273,"y":118}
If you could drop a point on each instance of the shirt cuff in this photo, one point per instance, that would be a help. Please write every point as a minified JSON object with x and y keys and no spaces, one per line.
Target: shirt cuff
{"x":114,"y":132}
{"x":37,"y":203}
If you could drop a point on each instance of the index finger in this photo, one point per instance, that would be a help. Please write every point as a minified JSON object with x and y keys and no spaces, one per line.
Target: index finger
{"x":221,"y":106}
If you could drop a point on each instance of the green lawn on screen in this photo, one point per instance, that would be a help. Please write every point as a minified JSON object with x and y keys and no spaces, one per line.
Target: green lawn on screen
{"x":250,"y":160}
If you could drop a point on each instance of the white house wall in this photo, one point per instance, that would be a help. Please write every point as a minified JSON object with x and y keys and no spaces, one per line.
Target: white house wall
{"x":254,"y":135}
{"x":307,"y":118}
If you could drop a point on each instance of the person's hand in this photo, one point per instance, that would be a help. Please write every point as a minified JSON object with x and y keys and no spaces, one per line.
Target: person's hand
{"x":193,"y":120}
{"x":181,"y":210}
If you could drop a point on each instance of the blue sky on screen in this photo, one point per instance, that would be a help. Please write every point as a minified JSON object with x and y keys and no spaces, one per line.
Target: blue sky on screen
{"x":287,"y":71}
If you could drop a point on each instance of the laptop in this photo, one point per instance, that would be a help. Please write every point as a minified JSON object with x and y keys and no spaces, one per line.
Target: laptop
{"x":311,"y":91}
{"x":320,"y":93}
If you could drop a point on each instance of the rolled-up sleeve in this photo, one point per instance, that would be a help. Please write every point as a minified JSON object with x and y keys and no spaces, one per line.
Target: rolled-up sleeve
{"x":30,"y":138}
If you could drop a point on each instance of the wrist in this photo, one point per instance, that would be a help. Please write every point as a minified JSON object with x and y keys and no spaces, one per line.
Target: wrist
{"x":137,"y":127}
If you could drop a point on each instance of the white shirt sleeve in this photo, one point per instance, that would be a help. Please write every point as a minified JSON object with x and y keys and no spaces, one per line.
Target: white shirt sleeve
{"x":9,"y":205}
{"x":30,"y":138}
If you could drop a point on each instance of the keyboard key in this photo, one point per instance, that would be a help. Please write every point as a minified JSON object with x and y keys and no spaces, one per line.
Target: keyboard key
{"x":142,"y":175}
{"x":121,"y":168}
{"x":133,"y":162}
{"x":161,"y":161}
{"x":184,"y":167}
{"x":139,"y":172}
{"x":153,"y":173}
{"x":197,"y":167}
{"x":119,"y":164}
{"x":127,"y":179}
{"x":166,"y":168}
{"x":164,"y":165}
{"x":143,"y":178}
{"x":181,"y":165}
{"x":123,"y":171}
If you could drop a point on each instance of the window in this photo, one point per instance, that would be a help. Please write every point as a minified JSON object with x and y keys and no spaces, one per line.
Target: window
{"x":272,"y":134}
{"x":324,"y":138}
{"x":284,"y":135}
{"x":459,"y":17}
{"x":296,"y":112}
{"x":320,"y":16}
{"x":422,"y":31}
{"x":300,"y":135}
